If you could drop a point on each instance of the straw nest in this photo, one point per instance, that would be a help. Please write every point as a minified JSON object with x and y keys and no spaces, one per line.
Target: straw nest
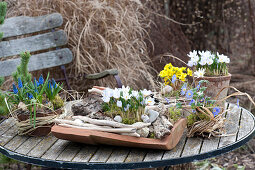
{"x":103,"y":34}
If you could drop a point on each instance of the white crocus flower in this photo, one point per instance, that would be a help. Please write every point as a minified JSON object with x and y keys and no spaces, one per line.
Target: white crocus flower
{"x":150,"y":101}
{"x":107,"y":92}
{"x":190,"y":63}
{"x":193,"y":58}
{"x":223,"y":59}
{"x":199,"y":73}
{"x":203,"y":61}
{"x":126,"y":96}
{"x":125,"y":89}
{"x":106,"y":99}
{"x":146,"y":92}
{"x":135,"y":94}
{"x":116,"y":93}
{"x":119,"y":103}
{"x":210,"y":61}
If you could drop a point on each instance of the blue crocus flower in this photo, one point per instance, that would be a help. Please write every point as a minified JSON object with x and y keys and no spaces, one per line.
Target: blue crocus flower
{"x":202,"y":100}
{"x":192,"y":101}
{"x":174,"y":78}
{"x":50,"y":86}
{"x":237,"y":102}
{"x":20,"y":85}
{"x":189,"y":94}
{"x":184,"y":89}
{"x":167,"y":100}
{"x":41,"y":80}
{"x":216,"y":111}
{"x":36,"y":91}
{"x":198,"y":86}
{"x":30,"y":96}
{"x":15,"y":90}
{"x":54,"y":83}
{"x":36,"y":83}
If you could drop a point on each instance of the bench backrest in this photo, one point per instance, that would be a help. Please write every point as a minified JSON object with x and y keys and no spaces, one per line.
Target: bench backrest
{"x":48,"y":40}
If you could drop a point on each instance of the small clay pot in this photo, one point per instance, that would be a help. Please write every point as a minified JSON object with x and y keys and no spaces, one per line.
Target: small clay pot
{"x":215,"y":85}
{"x":42,"y":130}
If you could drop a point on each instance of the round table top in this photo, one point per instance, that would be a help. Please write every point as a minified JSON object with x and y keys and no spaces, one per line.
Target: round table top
{"x":52,"y":152}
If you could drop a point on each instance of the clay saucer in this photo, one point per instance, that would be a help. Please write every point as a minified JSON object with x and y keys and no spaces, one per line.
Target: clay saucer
{"x":97,"y":137}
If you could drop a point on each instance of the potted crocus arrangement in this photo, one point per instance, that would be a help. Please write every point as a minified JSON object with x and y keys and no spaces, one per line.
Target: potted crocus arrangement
{"x":205,"y":115}
{"x":33,"y":103}
{"x":127,"y":105}
{"x":213,"y":67}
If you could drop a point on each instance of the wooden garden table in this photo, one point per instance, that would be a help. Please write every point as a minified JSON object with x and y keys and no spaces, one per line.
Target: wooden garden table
{"x":52,"y":152}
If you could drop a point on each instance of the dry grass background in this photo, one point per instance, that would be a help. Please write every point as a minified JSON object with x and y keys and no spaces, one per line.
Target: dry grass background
{"x":103,"y":34}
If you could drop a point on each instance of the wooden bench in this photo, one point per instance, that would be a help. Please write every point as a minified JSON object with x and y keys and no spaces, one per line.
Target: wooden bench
{"x":49,"y":40}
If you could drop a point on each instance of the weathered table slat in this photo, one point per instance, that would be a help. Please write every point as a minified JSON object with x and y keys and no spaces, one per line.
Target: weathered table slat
{"x":43,"y":146}
{"x":38,"y":61}
{"x":32,"y":44}
{"x":28,"y":145}
{"x":176,"y":151}
{"x":246,"y":124}
{"x":24,"y":25}
{"x":118,"y":155}
{"x":6,"y":124}
{"x":232,"y":125}
{"x":65,"y":152}
{"x":16,"y":142}
{"x":192,"y":146}
{"x":55,"y":150}
{"x":102,"y":154}
{"x":69,"y":152}
{"x":85,"y":153}
{"x":8,"y":135}
{"x":136,"y":155}
{"x":154,"y":155}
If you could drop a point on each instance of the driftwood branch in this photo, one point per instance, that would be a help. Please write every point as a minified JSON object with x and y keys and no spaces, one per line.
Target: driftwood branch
{"x":94,"y":90}
{"x":137,"y":125}
{"x":131,"y":134}
{"x":113,"y":130}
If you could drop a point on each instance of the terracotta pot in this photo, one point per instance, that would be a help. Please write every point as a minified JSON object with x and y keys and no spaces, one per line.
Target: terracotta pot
{"x":215,"y":85}
{"x":42,"y":130}
{"x":96,"y":137}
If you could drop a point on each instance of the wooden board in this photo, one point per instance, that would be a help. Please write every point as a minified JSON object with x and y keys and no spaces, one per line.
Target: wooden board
{"x":38,"y":61}
{"x":102,"y":154}
{"x":32,"y":44}
{"x":24,"y":25}
{"x":85,"y":154}
{"x":55,"y":150}
{"x":16,"y":142}
{"x":176,"y":151}
{"x":42,"y":146}
{"x":136,"y":155}
{"x":118,"y":155}
{"x":246,"y":124}
{"x":192,"y":146}
{"x":69,"y":152}
{"x":28,"y":145}
{"x":231,"y":125}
